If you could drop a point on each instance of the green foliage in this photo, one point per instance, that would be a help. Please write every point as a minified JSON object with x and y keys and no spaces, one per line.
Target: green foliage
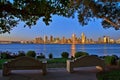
{"x":21,"y":53}
{"x":11,"y":12}
{"x":109,"y":75}
{"x":2,"y":61}
{"x":110,"y":60}
{"x":50,"y":56}
{"x":118,"y":62}
{"x":31,"y":54}
{"x":57,"y":60}
{"x":65,"y":54}
{"x":41,"y":56}
{"x":116,"y":57}
{"x":5,"y":55}
{"x":79,"y":54}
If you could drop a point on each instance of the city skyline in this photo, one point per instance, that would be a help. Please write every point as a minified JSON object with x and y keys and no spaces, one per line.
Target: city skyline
{"x":82,"y":39}
{"x":59,"y":27}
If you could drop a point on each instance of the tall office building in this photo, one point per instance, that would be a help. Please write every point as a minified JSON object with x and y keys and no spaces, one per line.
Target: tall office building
{"x":38,"y":40}
{"x":83,"y":38}
{"x":63,"y":40}
{"x":51,"y":39}
{"x":106,"y":39}
{"x":45,"y":39}
{"x":73,"y":39}
{"x":100,"y":40}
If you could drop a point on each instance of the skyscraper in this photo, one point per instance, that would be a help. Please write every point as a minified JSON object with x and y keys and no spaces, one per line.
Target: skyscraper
{"x":73,"y":39}
{"x":51,"y":39}
{"x":83,"y":38}
{"x":106,"y":39}
{"x":45,"y":39}
{"x":63,"y":40}
{"x":38,"y":40}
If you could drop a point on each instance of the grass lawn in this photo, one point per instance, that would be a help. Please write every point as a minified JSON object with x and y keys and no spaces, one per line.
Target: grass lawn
{"x":57,"y":60}
{"x":2,"y":61}
{"x":109,"y":75}
{"x":56,"y":63}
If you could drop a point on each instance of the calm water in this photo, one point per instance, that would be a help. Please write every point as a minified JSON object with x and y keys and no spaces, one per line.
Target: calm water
{"x":57,"y":49}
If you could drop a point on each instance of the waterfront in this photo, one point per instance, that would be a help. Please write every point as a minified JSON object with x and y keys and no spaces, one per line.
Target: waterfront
{"x":57,"y":49}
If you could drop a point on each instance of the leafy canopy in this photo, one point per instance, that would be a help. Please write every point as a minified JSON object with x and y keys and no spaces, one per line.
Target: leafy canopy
{"x":29,"y":11}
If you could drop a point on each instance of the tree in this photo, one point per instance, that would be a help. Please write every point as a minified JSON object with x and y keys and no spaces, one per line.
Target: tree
{"x":50,"y":56}
{"x":29,"y":11}
{"x":65,"y":54}
{"x":31,"y":54}
{"x":21,"y":53}
{"x":79,"y":54}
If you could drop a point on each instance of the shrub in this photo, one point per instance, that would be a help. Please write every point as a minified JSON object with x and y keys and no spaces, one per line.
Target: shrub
{"x":65,"y":55}
{"x":21,"y":53}
{"x":31,"y":54}
{"x":79,"y":54}
{"x":102,"y":57}
{"x":110,"y":60}
{"x":41,"y":56}
{"x":5,"y":55}
{"x":94,"y":55}
{"x":13,"y":55}
{"x":116,"y":57}
{"x":108,"y":75}
{"x":118,"y":62}
{"x":50,"y":56}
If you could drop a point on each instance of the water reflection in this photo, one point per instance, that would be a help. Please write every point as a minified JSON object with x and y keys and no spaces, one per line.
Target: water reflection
{"x":73,"y":50}
{"x":105,"y":50}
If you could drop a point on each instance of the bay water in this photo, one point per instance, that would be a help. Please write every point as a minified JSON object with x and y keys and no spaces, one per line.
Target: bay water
{"x":57,"y":49}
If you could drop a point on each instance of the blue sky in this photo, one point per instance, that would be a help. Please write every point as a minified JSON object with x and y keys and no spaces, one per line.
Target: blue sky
{"x":59,"y":27}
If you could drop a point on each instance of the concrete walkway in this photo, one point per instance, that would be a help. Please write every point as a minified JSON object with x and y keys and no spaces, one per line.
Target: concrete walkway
{"x":86,"y":73}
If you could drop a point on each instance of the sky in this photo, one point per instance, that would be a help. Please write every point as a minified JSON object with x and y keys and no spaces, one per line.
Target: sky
{"x":59,"y":27}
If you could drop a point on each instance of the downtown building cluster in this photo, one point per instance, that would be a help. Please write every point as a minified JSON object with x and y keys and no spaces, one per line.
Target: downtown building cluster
{"x":74,"y":40}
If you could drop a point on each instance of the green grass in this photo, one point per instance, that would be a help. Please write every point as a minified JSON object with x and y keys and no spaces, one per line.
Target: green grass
{"x":2,"y":61}
{"x":57,"y":60}
{"x":109,"y":75}
{"x":56,"y":63}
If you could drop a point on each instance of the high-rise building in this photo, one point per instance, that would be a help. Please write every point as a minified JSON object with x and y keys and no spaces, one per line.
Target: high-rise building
{"x":73,"y":39}
{"x":112,"y":41}
{"x":100,"y":40}
{"x":63,"y":40}
{"x":83,"y":38}
{"x":106,"y":39}
{"x":45,"y":39}
{"x":51,"y":39}
{"x":38,"y":40}
{"x":57,"y":40}
{"x":118,"y":41}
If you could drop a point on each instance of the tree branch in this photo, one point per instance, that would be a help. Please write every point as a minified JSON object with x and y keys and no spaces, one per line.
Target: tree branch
{"x":112,"y":23}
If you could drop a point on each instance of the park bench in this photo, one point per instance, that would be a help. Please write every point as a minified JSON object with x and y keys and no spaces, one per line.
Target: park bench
{"x":85,"y":61}
{"x":24,"y":63}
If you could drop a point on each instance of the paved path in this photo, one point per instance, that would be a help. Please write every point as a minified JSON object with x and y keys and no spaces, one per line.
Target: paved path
{"x":88,"y":73}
